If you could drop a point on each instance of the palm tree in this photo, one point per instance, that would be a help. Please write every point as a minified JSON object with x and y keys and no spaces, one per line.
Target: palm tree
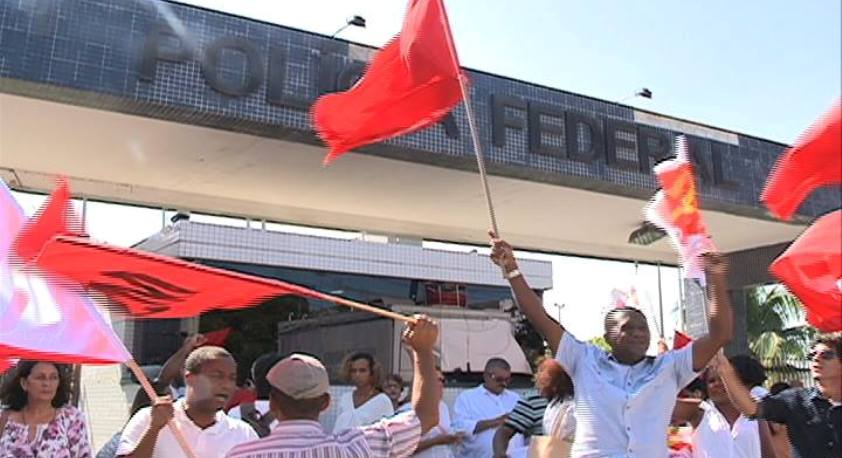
{"x":777,"y":328}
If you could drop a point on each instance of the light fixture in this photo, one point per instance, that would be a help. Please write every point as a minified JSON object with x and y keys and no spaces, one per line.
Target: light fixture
{"x":646,"y":234}
{"x":356,"y":21}
{"x":645,"y":93}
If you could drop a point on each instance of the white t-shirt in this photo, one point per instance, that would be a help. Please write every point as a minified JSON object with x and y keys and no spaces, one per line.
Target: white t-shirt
{"x":374,"y":410}
{"x":212,"y":442}
{"x":262,"y":407}
{"x":439,"y":451}
{"x":715,"y":438}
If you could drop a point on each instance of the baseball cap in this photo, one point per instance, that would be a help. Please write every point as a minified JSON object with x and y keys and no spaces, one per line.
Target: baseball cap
{"x":299,"y":377}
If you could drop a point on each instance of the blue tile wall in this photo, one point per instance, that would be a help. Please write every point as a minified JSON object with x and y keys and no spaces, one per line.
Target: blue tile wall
{"x":95,"y":46}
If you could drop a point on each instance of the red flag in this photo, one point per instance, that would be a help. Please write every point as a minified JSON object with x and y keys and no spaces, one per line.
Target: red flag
{"x":5,"y":364}
{"x":812,"y":269}
{"x":675,"y":209}
{"x":218,"y":337}
{"x":56,"y":217}
{"x":680,"y":340}
{"x":814,"y":162}
{"x":154,"y":286}
{"x":410,"y":84}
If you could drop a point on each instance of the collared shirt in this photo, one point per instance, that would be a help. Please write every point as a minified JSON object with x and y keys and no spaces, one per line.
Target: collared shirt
{"x":527,"y":416}
{"x":211,"y":442}
{"x":622,"y":410}
{"x":473,"y":406}
{"x":716,"y":438}
{"x":813,"y":422}
{"x":395,"y":437}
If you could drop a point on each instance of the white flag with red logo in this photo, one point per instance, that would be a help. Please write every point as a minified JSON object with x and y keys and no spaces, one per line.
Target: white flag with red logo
{"x":42,"y":317}
{"x":675,"y":209}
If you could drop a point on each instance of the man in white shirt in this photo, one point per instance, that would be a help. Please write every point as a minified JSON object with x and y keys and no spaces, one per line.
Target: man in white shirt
{"x":210,"y":374}
{"x":478,"y":412}
{"x":624,"y":399}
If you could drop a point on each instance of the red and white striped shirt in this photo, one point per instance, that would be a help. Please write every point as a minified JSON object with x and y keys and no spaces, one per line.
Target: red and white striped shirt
{"x":395,"y":437}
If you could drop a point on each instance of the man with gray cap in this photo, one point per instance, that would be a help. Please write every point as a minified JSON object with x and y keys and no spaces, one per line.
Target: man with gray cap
{"x":300,"y":392}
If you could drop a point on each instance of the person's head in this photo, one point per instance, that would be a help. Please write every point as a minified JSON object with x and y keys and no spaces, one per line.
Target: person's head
{"x":258,"y":374}
{"x":627,"y":332}
{"x":36,"y":382}
{"x":362,"y":370}
{"x":779,"y":387}
{"x":551,"y":381}
{"x":141,"y":399}
{"x":748,"y":370}
{"x":393,"y":387}
{"x":695,"y":390}
{"x":826,"y":358}
{"x":210,"y":374}
{"x":497,"y":375}
{"x":300,"y":388}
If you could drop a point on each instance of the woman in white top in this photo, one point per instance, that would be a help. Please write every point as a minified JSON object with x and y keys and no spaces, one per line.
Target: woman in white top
{"x":367,"y":403}
{"x":437,"y":442}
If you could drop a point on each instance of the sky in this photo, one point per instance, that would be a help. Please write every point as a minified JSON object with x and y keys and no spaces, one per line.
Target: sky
{"x":764,"y":68}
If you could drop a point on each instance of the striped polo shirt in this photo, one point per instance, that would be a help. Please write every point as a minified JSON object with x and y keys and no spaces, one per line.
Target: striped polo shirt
{"x":528,"y":415}
{"x":394,"y":437}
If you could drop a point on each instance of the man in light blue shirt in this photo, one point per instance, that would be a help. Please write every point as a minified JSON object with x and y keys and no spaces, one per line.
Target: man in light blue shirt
{"x":623,"y":397}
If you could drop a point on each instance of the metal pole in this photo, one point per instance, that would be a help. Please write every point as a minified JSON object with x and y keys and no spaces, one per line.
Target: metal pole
{"x":660,"y":300}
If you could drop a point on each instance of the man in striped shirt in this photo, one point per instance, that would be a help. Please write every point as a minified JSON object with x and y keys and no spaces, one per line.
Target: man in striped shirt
{"x":300,"y":392}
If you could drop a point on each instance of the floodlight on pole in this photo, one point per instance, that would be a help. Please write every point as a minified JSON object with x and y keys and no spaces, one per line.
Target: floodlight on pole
{"x":356,"y":21}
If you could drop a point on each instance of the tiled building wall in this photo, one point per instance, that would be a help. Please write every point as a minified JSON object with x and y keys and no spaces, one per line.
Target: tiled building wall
{"x":90,"y":52}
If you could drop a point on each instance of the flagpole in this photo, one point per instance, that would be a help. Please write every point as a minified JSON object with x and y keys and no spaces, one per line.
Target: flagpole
{"x":364,"y":307}
{"x":483,"y":176}
{"x":466,"y":100}
{"x":147,"y":386}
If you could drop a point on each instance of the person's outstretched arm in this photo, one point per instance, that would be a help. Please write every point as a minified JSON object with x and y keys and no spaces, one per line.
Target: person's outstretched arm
{"x":529,"y":303}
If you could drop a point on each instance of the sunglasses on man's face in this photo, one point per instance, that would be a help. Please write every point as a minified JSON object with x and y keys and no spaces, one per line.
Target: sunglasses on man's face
{"x":826,"y":355}
{"x":501,"y":380}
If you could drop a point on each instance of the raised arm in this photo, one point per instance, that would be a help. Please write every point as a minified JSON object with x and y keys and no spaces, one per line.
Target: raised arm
{"x":720,"y":315}
{"x":529,"y":303}
{"x":175,"y":364}
{"x":739,"y":394}
{"x":421,"y":336}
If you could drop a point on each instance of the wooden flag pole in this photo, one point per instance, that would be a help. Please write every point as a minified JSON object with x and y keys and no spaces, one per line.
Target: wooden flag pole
{"x":472,"y":125}
{"x":147,"y":386}
{"x":364,"y":307}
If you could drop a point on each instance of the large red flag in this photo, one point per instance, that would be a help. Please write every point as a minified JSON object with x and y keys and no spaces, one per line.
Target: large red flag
{"x":814,"y":162}
{"x":42,"y":318}
{"x":410,"y":84}
{"x":154,"y":286}
{"x":675,"y":209}
{"x":812,"y":269}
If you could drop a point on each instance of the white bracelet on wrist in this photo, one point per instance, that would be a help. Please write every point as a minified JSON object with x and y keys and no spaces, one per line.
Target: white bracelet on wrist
{"x":512,"y":274}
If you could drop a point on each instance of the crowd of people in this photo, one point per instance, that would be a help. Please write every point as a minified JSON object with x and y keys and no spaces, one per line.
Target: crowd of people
{"x":587,"y":402}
